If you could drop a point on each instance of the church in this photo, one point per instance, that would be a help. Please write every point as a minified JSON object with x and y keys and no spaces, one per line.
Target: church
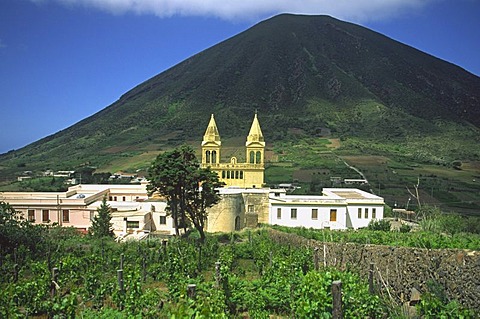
{"x":247,"y":203}
{"x":234,"y":174}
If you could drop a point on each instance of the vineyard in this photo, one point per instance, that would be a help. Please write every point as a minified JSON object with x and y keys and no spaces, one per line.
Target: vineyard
{"x":239,"y":275}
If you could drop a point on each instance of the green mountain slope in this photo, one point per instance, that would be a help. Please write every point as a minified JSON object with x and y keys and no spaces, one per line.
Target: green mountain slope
{"x":307,"y":72}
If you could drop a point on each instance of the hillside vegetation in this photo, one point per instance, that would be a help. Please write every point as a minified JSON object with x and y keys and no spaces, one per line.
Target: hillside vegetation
{"x":310,"y":78}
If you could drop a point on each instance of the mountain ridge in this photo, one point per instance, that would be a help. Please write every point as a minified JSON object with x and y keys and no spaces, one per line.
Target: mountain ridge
{"x":298,"y":71}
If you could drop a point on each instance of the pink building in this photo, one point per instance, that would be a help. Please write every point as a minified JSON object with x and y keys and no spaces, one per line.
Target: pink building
{"x":77,"y":206}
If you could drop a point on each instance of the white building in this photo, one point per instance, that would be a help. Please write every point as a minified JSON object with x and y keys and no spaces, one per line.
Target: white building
{"x":137,"y":219}
{"x":337,"y":208}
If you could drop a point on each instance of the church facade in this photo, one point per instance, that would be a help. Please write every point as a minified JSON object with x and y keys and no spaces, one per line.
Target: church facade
{"x":248,"y":174}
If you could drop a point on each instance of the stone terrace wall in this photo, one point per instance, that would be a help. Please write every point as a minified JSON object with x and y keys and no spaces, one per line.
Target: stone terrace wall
{"x":397,"y":270}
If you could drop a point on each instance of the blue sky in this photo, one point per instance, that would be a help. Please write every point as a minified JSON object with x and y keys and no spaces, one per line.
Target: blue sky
{"x":64,"y":60}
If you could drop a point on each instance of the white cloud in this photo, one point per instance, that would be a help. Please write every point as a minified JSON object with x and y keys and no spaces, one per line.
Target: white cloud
{"x":352,"y":10}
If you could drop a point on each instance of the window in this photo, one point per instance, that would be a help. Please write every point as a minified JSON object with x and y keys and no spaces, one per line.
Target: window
{"x":241,"y":174}
{"x":207,"y":156}
{"x":333,"y":215}
{"x":223,"y":174}
{"x":252,"y":157}
{"x":251,"y":208}
{"x":66,"y":216}
{"x":279,"y":213}
{"x":163,"y":220}
{"x":258,"y":158}
{"x":314,"y":213}
{"x":115,"y":198}
{"x":366,"y":212}
{"x":124,"y":198}
{"x":214,"y":156}
{"x":359,"y":213}
{"x":228,"y":174}
{"x":236,"y":174}
{"x":133,"y":224}
{"x":31,"y":215}
{"x":110,"y":198}
{"x":293,"y":213}
{"x":45,"y":215}
{"x":374,"y":213}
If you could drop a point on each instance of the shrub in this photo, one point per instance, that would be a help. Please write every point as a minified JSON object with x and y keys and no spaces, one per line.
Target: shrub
{"x":379,"y":225}
{"x":405,"y":228}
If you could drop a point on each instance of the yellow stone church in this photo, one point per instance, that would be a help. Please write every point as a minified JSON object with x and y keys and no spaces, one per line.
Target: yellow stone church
{"x":234,"y":174}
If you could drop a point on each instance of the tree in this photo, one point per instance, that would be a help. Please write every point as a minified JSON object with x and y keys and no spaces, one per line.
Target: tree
{"x":201,"y":196}
{"x":417,"y":194}
{"x":101,"y":223}
{"x":15,"y":231}
{"x":188,"y":189}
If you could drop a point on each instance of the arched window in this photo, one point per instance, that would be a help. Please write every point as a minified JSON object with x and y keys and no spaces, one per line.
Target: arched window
{"x":252,"y":157}
{"x":207,"y":156}
{"x":214,"y":156}
{"x":223,"y":174}
{"x":241,"y":174}
{"x":236,"y":174}
{"x":258,"y":158}
{"x":228,"y":174}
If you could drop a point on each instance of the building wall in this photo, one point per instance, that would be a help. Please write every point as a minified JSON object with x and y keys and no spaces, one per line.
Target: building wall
{"x":78,"y":216}
{"x":245,"y":175}
{"x":366,"y":215}
{"x":304,"y":216}
{"x":223,"y":216}
{"x":121,"y":223}
{"x":254,"y":177}
{"x":257,"y":203}
{"x":160,"y":215}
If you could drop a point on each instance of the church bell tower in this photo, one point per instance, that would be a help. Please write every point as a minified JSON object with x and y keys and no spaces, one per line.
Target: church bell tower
{"x":211,"y":145}
{"x":255,"y":145}
{"x":255,"y":151}
{"x":248,"y":174}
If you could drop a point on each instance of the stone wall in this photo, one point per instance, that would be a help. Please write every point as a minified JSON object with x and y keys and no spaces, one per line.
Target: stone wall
{"x":260,"y":203}
{"x":222,"y":216}
{"x":400,"y":270}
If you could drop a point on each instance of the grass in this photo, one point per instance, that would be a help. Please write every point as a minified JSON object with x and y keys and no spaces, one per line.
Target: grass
{"x":131,"y":162}
{"x":389,"y":167}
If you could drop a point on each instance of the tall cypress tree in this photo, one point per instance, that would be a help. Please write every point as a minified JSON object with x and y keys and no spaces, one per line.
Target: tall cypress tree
{"x":101,"y":223}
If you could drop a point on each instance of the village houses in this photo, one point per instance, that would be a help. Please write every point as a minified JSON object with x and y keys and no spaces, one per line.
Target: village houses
{"x":245,"y":201}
